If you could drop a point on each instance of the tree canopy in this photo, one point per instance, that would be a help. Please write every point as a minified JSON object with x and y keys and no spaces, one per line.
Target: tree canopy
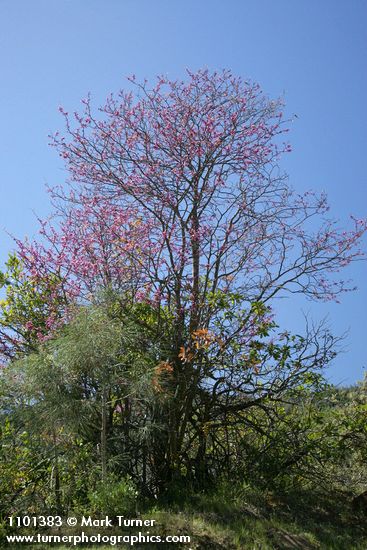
{"x":142,"y":322}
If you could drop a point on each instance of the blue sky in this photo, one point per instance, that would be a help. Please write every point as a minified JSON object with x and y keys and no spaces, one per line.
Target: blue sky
{"x":312,"y":52}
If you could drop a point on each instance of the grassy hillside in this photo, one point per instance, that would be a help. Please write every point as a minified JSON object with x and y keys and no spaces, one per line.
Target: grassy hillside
{"x":248,"y":519}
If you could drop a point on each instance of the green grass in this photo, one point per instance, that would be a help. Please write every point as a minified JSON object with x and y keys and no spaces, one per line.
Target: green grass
{"x":249,"y":519}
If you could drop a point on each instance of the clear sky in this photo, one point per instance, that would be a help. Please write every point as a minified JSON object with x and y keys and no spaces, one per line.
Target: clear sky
{"x":314,"y":52}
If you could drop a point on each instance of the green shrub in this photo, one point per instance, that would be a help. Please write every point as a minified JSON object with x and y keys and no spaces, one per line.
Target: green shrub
{"x":114,"y":497}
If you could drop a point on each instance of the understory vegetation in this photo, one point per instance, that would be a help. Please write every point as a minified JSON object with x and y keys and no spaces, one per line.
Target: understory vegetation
{"x":286,"y":478}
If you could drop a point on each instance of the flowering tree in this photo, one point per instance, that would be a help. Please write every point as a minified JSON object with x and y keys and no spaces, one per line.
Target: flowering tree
{"x":175,"y":198}
{"x":198,"y":161}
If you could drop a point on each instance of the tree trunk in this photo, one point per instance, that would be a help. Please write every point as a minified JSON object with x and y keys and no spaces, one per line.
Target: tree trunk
{"x":57,"y":477}
{"x":104,"y":434}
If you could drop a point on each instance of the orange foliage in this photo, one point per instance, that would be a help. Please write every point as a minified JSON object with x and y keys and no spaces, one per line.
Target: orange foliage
{"x":162,"y":369}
